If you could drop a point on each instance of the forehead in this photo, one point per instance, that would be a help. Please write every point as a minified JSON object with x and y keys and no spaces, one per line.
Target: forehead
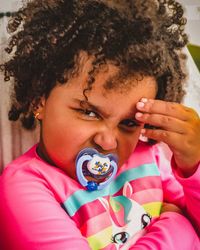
{"x":116,"y":96}
{"x":119,"y":104}
{"x":117,"y":101}
{"x":131,"y":89}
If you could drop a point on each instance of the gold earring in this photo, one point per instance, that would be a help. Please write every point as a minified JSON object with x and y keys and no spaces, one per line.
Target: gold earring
{"x":36,"y":115}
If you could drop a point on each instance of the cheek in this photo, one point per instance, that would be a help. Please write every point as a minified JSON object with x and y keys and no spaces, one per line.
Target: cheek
{"x":64,"y":141}
{"x":127,"y":146}
{"x":64,"y":138}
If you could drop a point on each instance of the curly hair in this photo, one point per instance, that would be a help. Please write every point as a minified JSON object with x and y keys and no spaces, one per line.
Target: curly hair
{"x":143,"y":36}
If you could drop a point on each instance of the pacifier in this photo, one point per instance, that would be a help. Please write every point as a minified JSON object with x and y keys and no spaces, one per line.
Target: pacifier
{"x":101,"y":169}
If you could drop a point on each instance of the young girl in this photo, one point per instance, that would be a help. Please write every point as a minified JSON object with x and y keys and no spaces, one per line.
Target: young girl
{"x":95,"y":75}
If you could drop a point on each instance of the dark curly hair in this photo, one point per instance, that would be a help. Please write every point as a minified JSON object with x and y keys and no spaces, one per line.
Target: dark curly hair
{"x":144,"y":36}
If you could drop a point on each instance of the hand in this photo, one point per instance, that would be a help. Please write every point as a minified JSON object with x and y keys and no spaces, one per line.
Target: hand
{"x":169,"y":207}
{"x":178,"y":126}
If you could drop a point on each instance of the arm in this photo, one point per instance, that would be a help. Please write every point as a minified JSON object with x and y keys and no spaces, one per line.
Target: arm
{"x":171,"y":231}
{"x":178,"y":127}
{"x":178,"y":190}
{"x":191,"y":189}
{"x":31,"y":217}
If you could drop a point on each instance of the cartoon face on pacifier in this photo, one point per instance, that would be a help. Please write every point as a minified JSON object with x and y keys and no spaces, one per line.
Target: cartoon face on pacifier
{"x":99,"y":165}
{"x":95,"y":170}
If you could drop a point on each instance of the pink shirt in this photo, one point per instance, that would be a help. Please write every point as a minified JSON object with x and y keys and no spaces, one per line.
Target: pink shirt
{"x":42,"y":208}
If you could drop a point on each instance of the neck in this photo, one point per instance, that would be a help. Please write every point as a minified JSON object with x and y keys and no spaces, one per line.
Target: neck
{"x":41,"y":151}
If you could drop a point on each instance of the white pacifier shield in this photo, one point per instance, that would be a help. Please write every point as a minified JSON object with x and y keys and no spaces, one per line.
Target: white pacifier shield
{"x":98,"y":165}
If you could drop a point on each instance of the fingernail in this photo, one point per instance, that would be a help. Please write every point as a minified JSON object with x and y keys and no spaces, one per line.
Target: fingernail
{"x":140,"y":104}
{"x":138,"y":115}
{"x":144,"y":100}
{"x":143,"y":138}
{"x":143,"y":131}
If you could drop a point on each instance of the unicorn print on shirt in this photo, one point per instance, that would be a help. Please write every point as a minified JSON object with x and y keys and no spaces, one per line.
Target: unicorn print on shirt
{"x":128,"y":218}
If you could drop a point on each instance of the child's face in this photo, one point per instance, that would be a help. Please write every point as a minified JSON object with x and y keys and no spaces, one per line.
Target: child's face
{"x":106,"y":123}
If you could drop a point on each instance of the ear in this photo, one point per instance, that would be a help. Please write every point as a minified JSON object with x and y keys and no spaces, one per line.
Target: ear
{"x":104,"y":202}
{"x":127,"y":190}
{"x":38,"y":109}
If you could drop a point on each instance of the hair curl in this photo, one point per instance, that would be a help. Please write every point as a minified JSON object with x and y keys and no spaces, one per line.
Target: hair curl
{"x":143,"y":36}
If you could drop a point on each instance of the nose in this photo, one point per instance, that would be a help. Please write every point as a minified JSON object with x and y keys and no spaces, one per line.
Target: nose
{"x":106,"y":139}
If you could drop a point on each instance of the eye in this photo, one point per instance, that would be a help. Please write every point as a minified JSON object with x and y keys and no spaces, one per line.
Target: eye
{"x":129,"y":123}
{"x":120,"y":238}
{"x":146,"y":219}
{"x":88,"y":113}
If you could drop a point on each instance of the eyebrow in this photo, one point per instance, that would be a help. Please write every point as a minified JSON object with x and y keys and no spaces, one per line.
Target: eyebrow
{"x":95,"y":108}
{"x":102,"y":112}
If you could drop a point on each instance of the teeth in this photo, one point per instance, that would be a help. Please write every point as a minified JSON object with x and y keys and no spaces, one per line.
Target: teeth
{"x":98,"y":165}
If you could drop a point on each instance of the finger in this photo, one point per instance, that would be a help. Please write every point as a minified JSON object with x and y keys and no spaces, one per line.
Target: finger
{"x":162,"y":121}
{"x":173,"y":139}
{"x":175,"y":110}
{"x":169,"y":207}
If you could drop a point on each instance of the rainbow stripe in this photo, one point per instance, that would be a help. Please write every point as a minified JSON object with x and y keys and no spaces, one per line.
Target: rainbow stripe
{"x":82,"y":197}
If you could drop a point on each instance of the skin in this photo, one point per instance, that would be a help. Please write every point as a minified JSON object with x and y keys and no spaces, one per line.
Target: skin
{"x":179,"y":127}
{"x":68,"y":127}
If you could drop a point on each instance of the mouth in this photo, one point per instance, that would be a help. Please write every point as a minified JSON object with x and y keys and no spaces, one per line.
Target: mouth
{"x":92,"y":166}
{"x":100,"y":176}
